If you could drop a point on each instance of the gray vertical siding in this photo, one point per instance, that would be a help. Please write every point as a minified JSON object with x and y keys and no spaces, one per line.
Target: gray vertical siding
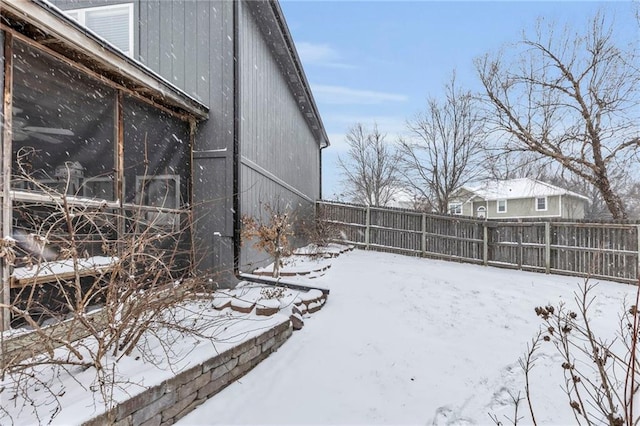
{"x":280,"y":157}
{"x":191,"y":44}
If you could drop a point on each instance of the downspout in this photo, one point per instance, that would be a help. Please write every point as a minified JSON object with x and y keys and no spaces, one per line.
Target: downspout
{"x":237,"y":222}
{"x":236,"y":139}
{"x":322,"y":147}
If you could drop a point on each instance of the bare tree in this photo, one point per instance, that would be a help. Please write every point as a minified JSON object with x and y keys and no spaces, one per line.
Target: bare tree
{"x":501,"y":164}
{"x":445,"y":148}
{"x":571,"y":98}
{"x":370,"y":170}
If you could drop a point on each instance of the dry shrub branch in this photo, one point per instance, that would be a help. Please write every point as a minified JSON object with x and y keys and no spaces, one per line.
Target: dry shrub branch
{"x":94,"y":282}
{"x":272,"y":234}
{"x":600,"y":373}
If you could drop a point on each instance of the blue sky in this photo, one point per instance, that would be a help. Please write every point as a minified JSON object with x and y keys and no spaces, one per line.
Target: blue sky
{"x":378,"y":61}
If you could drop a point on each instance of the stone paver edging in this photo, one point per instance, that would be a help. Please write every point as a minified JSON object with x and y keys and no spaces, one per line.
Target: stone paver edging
{"x":174,"y":398}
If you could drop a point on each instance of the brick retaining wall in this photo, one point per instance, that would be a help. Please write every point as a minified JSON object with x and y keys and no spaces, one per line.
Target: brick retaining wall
{"x":174,"y":398}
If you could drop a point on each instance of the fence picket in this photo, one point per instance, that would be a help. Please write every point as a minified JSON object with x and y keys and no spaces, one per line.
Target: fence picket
{"x":600,"y":250}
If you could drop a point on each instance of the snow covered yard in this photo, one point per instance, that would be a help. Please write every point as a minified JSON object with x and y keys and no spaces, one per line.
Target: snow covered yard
{"x":403,"y":340}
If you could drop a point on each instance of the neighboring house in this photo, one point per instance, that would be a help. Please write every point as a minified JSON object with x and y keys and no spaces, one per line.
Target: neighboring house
{"x":518,"y":199}
{"x":203,"y":102}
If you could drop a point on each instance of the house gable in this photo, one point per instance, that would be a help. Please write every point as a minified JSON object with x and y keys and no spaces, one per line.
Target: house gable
{"x":522,"y":198}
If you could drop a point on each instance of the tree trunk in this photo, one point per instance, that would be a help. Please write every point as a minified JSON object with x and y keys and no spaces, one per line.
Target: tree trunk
{"x":612,"y":199}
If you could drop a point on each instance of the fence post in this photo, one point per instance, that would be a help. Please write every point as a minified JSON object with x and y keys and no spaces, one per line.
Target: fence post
{"x":368,"y":228}
{"x":638,"y":270}
{"x":547,"y":247}
{"x":423,"y":244}
{"x":485,"y":244}
{"x":519,"y":252}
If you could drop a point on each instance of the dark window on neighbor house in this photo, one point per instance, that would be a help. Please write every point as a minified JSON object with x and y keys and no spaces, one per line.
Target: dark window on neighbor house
{"x":156,"y":157}
{"x":501,"y":206}
{"x":541,"y":204}
{"x":455,"y":208}
{"x":63,"y":127}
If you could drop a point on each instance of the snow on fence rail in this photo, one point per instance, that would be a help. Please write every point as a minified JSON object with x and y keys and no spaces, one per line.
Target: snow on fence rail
{"x":600,"y":250}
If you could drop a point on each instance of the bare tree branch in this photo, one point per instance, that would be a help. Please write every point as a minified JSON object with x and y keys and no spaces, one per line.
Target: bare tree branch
{"x":370,"y":169}
{"x":445,"y":147}
{"x":571,"y":98}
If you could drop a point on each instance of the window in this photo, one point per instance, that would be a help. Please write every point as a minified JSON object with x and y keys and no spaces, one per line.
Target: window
{"x":113,"y":23}
{"x":455,"y":208}
{"x":501,"y":206}
{"x":541,"y":204}
{"x":481,"y":212}
{"x":99,"y":187}
{"x":161,"y":191}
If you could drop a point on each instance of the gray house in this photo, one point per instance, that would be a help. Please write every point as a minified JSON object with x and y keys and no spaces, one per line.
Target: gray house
{"x":170,"y":105}
{"x":518,"y":199}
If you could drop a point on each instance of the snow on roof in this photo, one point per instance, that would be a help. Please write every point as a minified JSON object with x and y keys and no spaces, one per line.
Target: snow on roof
{"x":401,"y":198}
{"x":519,"y":188}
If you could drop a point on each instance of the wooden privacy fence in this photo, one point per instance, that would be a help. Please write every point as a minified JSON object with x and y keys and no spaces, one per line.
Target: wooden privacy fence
{"x":601,"y":250}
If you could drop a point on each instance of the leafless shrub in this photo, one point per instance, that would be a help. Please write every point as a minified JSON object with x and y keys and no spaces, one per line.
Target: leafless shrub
{"x":601,"y":377}
{"x":515,"y":400}
{"x":272,"y":234}
{"x":99,"y":282}
{"x":320,"y":232}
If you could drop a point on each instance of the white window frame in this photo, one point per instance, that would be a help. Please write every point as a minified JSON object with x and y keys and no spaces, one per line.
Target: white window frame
{"x":455,"y":209}
{"x":80,"y":17}
{"x":89,"y":187}
{"x":546,"y":204}
{"x":163,"y":216}
{"x":483,"y":210}
{"x":175,"y":197}
{"x":498,"y":206}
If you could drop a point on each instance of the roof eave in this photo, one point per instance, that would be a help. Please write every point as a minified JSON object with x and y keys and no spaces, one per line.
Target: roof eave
{"x":290,"y":61}
{"x":51,"y":21}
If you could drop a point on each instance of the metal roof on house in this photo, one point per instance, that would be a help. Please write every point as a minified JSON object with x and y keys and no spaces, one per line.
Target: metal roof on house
{"x":519,"y":188}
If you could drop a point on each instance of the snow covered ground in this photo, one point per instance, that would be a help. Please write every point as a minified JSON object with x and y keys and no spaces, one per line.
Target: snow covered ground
{"x":413,"y":341}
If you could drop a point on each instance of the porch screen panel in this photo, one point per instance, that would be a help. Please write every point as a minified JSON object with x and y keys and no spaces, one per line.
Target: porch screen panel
{"x":63,"y":128}
{"x":156,"y":157}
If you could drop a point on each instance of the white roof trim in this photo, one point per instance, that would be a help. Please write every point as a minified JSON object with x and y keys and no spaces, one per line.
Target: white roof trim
{"x":512,"y":189}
